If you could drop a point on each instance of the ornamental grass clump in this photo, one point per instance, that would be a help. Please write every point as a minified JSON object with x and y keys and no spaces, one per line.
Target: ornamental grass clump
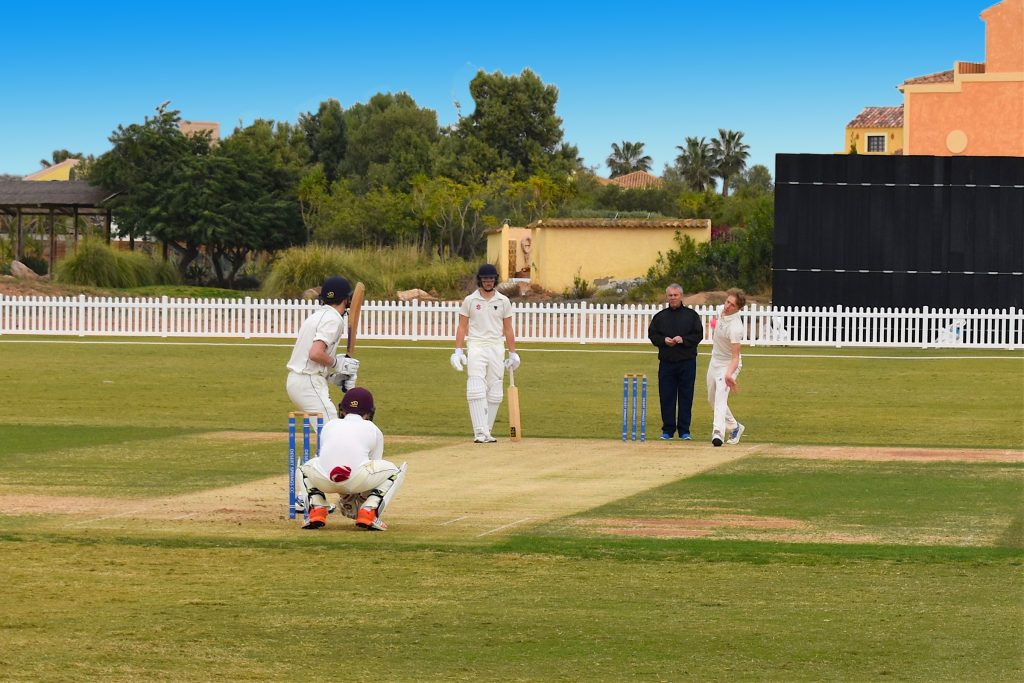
{"x":97,"y":264}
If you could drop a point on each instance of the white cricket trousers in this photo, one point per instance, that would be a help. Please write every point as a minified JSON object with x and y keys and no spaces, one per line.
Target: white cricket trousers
{"x":485,"y":372}
{"x":309,"y":393}
{"x":364,"y":478}
{"x":718,"y":397}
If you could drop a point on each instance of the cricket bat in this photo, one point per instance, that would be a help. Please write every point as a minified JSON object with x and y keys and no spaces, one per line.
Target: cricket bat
{"x":354,"y":306}
{"x":515,"y":427}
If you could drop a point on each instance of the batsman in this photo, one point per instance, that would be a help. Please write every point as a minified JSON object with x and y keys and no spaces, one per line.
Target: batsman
{"x":485,"y":319}
{"x":315,"y":359}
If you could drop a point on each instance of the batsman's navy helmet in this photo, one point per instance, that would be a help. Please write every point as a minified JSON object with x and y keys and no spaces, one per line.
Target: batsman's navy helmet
{"x":357,"y":400}
{"x":486,"y":270}
{"x":335,"y":290}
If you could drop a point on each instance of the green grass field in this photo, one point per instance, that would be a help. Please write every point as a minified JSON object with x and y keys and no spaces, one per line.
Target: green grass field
{"x":767,"y":567}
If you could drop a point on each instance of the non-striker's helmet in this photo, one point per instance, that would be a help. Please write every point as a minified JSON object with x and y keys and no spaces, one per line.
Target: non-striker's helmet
{"x":486,"y":270}
{"x":335,"y":290}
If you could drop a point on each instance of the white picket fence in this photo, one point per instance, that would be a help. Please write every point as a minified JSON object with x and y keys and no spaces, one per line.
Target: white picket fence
{"x":580,"y":323}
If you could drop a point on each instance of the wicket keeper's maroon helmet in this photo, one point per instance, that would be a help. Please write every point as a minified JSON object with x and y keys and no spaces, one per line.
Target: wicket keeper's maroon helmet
{"x":357,"y":400}
{"x":335,"y":290}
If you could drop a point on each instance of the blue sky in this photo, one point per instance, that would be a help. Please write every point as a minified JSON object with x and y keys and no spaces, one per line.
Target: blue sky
{"x":790,"y":75}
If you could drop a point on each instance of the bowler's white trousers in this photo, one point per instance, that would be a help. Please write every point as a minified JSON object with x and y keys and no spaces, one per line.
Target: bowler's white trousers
{"x":718,"y":396}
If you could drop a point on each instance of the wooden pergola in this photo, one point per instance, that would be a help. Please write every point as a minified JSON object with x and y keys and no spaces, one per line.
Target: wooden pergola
{"x":74,"y":198}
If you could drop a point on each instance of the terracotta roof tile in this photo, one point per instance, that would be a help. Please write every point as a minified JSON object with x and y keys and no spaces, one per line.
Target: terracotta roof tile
{"x":878,"y":117}
{"x":621,"y":223}
{"x":637,"y":180}
{"x":940,"y":77}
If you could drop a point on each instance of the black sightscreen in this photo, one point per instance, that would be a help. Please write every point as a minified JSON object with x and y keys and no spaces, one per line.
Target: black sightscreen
{"x":899,"y":231}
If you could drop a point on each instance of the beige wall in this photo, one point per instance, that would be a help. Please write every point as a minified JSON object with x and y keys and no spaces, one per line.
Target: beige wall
{"x":562,"y":254}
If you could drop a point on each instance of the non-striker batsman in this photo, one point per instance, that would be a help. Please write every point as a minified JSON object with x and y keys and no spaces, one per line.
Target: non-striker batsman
{"x":485,"y":320}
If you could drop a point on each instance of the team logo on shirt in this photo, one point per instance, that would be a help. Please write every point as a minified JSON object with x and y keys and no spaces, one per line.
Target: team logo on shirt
{"x":478,"y":307}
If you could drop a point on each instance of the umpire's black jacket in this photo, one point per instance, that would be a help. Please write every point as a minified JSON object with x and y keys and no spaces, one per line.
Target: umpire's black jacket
{"x":676,"y":322}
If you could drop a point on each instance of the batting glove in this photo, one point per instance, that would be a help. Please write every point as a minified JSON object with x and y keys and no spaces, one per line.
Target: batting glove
{"x":346,"y":365}
{"x":347,"y":383}
{"x":512,"y":362}
{"x":459,"y":360}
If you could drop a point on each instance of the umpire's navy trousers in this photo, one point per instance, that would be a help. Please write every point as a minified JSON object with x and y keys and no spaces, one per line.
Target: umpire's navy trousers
{"x":675,"y":389}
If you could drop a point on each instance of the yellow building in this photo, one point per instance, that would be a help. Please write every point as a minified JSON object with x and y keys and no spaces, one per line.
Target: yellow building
{"x":559,"y":250}
{"x":876,"y":130}
{"x":65,"y":170}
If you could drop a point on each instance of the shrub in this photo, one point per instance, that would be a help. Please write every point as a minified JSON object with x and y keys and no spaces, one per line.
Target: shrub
{"x":384,"y":271}
{"x":97,"y":264}
{"x":581,"y":289}
{"x":36,"y":264}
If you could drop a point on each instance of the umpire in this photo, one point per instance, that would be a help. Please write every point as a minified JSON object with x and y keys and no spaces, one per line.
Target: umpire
{"x":676,"y":331}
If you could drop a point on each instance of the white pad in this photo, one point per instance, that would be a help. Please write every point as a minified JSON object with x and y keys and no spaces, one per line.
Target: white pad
{"x":492,"y":413}
{"x":396,"y":483}
{"x":495,"y":392}
{"x":475,"y":388}
{"x":318,"y":498}
{"x":476,"y":396}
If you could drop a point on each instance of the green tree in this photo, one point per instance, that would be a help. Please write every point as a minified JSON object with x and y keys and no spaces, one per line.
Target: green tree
{"x":325,"y":137}
{"x":524,"y":201}
{"x":755,"y":244}
{"x":313,"y":197}
{"x":754,"y":181}
{"x":59,"y":156}
{"x":515,"y":119}
{"x":453,"y":215}
{"x":697,"y":165}
{"x":250,"y":192}
{"x":627,"y":158}
{"x":153,"y":169}
{"x":390,"y":141}
{"x":381,"y":217}
{"x":730,"y":154}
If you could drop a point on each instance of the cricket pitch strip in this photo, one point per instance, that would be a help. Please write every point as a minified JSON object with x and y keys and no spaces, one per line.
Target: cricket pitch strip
{"x":456,"y":490}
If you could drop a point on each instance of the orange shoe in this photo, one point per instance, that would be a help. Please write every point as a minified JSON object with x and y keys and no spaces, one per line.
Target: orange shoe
{"x":317,"y":518}
{"x":367,"y":519}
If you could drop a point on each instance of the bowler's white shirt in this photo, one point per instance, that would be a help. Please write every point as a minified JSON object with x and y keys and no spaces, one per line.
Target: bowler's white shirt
{"x":728,"y":331}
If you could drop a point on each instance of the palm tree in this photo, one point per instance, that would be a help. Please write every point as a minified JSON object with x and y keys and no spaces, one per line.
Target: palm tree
{"x":59,"y":155}
{"x":696,"y":164}
{"x":731,"y":154}
{"x":627,"y":158}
